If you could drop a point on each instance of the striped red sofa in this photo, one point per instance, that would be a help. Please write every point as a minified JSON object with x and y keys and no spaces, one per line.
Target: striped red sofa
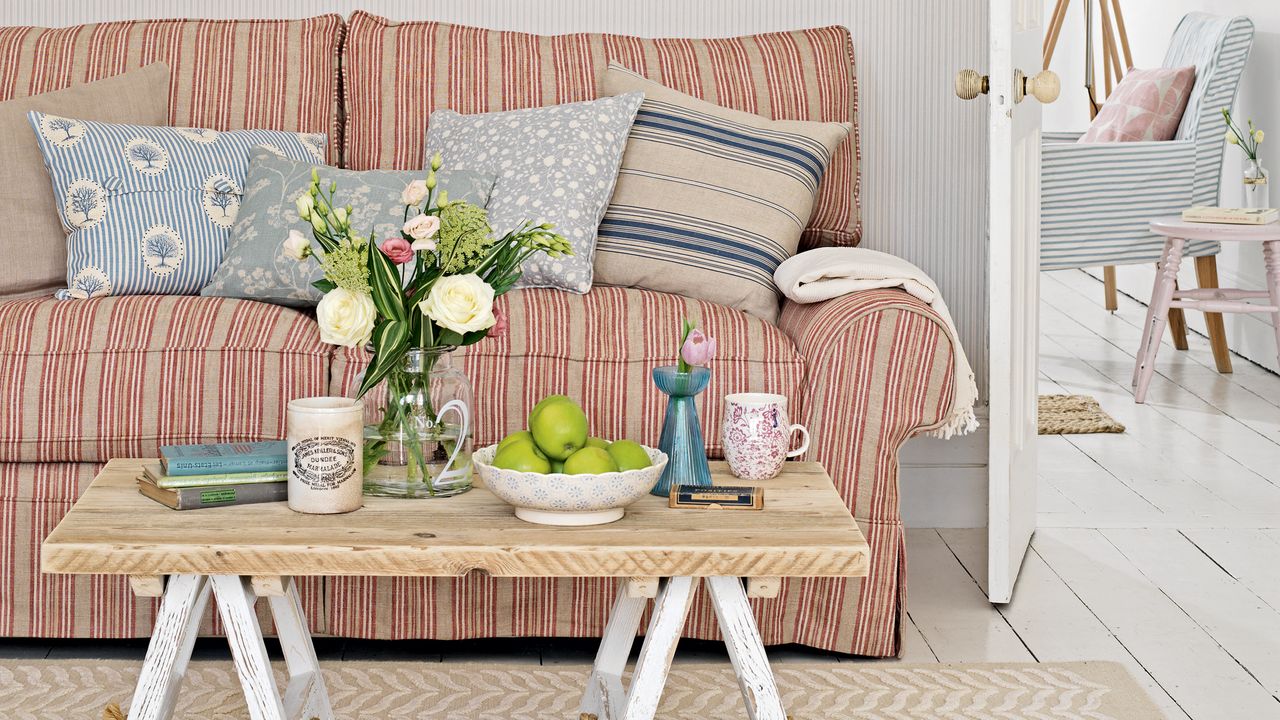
{"x":84,"y":381}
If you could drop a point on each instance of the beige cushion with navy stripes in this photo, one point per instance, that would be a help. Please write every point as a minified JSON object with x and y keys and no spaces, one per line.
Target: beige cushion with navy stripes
{"x":709,"y":201}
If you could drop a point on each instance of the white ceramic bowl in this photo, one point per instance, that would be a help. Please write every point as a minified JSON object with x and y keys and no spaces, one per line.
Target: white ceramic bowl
{"x":560,"y":499}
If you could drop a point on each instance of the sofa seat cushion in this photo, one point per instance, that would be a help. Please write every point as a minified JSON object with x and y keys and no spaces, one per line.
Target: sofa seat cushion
{"x":395,"y":74}
{"x":600,"y":349}
{"x":225,"y":74}
{"x":90,"y":380}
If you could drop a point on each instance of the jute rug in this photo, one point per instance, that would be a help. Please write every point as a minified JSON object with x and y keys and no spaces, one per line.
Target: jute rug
{"x":1074,"y":415}
{"x":49,"y":689}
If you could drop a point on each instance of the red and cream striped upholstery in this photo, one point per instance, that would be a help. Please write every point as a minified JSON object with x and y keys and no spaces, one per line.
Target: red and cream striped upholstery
{"x":396,"y":73}
{"x":89,"y":380}
{"x":225,"y":74}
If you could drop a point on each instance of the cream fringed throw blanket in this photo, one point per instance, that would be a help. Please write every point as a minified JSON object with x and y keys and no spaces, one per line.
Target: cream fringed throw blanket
{"x":825,"y":273}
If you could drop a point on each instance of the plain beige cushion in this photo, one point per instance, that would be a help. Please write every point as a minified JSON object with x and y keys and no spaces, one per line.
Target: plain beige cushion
{"x":31,"y":232}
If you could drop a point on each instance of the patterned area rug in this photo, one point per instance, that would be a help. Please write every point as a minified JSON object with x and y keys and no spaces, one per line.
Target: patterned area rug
{"x":1097,"y":690}
{"x":1074,"y":415}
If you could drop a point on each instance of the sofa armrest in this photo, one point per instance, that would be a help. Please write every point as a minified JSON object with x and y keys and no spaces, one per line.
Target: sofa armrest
{"x":879,"y":370}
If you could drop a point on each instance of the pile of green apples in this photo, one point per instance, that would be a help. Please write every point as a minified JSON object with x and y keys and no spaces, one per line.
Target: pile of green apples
{"x":556,"y":441}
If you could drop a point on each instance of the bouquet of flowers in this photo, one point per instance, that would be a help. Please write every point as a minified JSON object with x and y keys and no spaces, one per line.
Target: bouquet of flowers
{"x":433,"y":286}
{"x":430,"y":289}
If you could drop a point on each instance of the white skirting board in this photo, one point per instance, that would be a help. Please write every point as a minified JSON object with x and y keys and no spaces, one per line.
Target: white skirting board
{"x":944,"y":482}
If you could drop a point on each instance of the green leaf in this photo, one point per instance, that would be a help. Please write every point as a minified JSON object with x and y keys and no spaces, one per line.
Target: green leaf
{"x":324,"y":286}
{"x":449,"y":337}
{"x":384,"y":282}
{"x":390,"y":340}
{"x":473,"y":337}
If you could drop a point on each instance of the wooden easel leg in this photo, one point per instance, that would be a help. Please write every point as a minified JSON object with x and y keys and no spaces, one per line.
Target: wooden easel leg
{"x":172,"y":639}
{"x":746,"y":649}
{"x":650,"y":676}
{"x":1207,"y":277}
{"x":306,"y":695}
{"x":605,"y":696}
{"x":1109,"y":288}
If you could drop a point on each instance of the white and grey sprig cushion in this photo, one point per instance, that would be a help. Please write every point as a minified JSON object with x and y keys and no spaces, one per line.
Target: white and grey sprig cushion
{"x":255,"y":265}
{"x":148,"y":209}
{"x":554,"y":164}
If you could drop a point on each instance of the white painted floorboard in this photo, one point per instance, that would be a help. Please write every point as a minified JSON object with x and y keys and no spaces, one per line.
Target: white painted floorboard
{"x":1158,"y":548}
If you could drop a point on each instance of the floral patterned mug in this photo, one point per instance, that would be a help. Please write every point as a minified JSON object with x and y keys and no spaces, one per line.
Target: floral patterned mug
{"x":757,"y":434}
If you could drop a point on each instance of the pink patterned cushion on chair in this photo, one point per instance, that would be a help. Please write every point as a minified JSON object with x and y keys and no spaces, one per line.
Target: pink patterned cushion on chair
{"x":1146,"y":105}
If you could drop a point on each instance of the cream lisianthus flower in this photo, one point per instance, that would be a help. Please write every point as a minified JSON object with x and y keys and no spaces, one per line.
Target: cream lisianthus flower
{"x":1232,"y":139}
{"x":461,"y":303}
{"x":1258,"y":135}
{"x":414,"y":193}
{"x":297,"y":246}
{"x":346,"y":318}
{"x":304,"y":204}
{"x":422,"y":227}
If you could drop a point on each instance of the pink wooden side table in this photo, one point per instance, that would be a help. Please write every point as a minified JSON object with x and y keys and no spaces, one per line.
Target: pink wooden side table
{"x":1165,"y":295}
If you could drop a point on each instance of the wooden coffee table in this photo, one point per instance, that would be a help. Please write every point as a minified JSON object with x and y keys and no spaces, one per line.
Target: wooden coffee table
{"x":242,"y":553}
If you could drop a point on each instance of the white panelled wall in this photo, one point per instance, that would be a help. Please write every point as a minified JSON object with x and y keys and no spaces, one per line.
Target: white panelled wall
{"x":923,"y":150}
{"x":1150,"y":23}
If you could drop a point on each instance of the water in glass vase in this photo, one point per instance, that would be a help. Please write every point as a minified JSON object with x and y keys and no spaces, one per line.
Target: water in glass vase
{"x":418,"y":431}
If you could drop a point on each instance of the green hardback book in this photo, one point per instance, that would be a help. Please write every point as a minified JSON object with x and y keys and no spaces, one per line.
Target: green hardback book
{"x":155,"y":474}
{"x":239,"y":457}
{"x":195,"y":498}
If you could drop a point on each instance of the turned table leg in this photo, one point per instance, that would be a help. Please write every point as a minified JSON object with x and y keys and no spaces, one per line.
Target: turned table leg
{"x":1271,"y":258}
{"x":1156,"y":314}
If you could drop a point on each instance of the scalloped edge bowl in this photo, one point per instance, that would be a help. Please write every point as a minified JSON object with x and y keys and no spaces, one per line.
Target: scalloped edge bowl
{"x":562,"y":499}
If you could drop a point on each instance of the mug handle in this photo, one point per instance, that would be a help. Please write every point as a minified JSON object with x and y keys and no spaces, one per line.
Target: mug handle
{"x":803,"y":445}
{"x":464,"y":415}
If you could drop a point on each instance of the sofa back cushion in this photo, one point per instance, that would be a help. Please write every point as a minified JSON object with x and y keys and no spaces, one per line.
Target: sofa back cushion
{"x":396,"y":74}
{"x":225,"y":74}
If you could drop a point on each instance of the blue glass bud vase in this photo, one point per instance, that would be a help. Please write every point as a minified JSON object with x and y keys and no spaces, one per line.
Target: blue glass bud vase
{"x":681,"y":435}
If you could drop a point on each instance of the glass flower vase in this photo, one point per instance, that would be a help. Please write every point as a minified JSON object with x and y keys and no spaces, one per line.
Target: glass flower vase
{"x":681,"y":436}
{"x":1257,"y":192}
{"x":418,"y":429}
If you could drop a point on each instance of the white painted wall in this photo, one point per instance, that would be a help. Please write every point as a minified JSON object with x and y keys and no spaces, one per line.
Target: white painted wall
{"x":923,"y":150}
{"x":1150,"y":24}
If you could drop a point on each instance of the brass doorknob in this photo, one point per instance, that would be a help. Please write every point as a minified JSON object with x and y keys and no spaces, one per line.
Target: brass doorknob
{"x":1043,"y":86}
{"x":969,"y":84}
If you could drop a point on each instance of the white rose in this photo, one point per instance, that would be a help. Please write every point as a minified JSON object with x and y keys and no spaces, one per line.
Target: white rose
{"x":421,"y":227}
{"x":461,"y":303}
{"x":297,"y":245}
{"x":346,"y":318}
{"x":415,"y":193}
{"x":304,"y":203}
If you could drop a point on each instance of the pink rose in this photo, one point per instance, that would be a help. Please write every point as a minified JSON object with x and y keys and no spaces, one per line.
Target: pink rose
{"x":398,"y":249}
{"x":699,"y":348}
{"x":500,"y":327}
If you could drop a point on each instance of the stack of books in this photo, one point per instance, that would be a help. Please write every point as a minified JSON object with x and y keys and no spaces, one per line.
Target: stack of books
{"x":189,"y":477}
{"x":1231,"y":216}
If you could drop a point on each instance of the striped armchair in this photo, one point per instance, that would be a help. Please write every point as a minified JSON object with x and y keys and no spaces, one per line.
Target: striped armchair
{"x":1098,"y":198}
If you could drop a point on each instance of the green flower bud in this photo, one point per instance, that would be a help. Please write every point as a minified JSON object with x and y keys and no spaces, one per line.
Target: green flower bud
{"x":317,"y":222}
{"x":431,"y":180}
{"x":444,"y":198}
{"x":333,"y":186}
{"x":436,"y":161}
{"x":315,"y":176}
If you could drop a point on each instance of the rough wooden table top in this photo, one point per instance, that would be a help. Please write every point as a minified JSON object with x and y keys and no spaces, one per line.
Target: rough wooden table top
{"x":805,"y":530}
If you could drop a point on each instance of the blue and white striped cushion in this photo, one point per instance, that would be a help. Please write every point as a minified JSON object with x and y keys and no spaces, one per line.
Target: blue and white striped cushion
{"x":148,"y":209}
{"x":1097,"y":199}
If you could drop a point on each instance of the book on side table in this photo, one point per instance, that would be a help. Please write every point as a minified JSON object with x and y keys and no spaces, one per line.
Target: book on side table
{"x":1231,"y":216}
{"x":191,"y":477}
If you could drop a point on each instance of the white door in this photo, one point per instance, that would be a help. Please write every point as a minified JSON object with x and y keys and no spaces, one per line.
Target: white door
{"x":1013,"y":278}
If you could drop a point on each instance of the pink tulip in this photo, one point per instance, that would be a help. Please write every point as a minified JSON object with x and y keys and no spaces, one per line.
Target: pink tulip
{"x":398,"y":249}
{"x":699,"y":349}
{"x":500,"y":325}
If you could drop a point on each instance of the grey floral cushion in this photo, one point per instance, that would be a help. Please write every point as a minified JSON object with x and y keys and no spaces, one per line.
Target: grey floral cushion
{"x":554,"y":164}
{"x":255,"y":265}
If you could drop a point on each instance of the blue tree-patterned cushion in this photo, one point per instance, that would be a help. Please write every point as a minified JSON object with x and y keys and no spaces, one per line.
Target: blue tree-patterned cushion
{"x":147,"y":210}
{"x":255,"y":265}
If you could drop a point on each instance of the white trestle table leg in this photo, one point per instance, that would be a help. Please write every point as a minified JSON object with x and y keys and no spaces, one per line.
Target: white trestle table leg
{"x":746,"y":649}
{"x":172,"y":639}
{"x":604,"y":696}
{"x":660,"y":639}
{"x":306,"y":696}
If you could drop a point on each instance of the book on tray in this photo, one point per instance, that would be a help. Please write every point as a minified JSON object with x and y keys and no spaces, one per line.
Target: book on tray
{"x":224,"y":458}
{"x":1231,"y":216}
{"x":189,"y":477}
